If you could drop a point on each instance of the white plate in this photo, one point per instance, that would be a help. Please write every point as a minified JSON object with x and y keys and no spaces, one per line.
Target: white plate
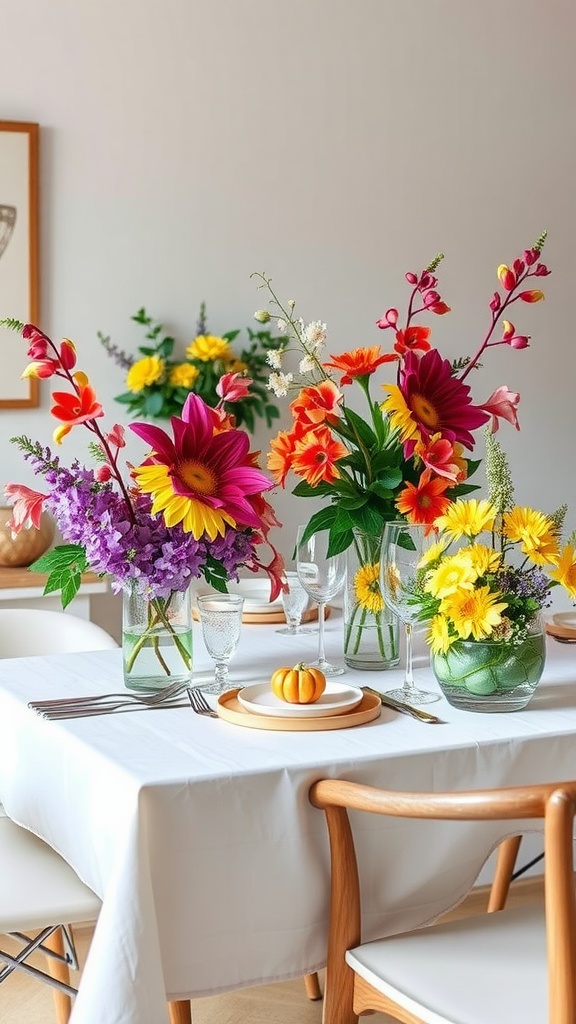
{"x":337,"y":697}
{"x":256,"y":594}
{"x":564,"y":619}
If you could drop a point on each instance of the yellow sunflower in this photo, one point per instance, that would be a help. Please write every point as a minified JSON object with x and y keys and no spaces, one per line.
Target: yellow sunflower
{"x":482,"y":558}
{"x":207,"y":348}
{"x":144,"y":372}
{"x":184,"y":375}
{"x":535,"y":532}
{"x":466,"y":518}
{"x":438,"y":635}
{"x":565,"y":571}
{"x":474,"y":613}
{"x":367,"y":587}
{"x":453,"y":573}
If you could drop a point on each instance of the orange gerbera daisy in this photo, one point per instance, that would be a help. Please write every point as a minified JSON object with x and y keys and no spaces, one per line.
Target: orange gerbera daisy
{"x":280,"y":455}
{"x":423,"y":502}
{"x":360,"y":362}
{"x":317,"y":404}
{"x":315,"y":457}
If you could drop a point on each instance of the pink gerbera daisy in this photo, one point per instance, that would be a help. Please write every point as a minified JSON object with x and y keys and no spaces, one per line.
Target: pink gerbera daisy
{"x":205,"y":477}
{"x":430,"y":400}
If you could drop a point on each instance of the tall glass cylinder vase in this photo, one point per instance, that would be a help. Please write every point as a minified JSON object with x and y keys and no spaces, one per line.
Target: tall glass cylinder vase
{"x":156,"y":640}
{"x":371,"y":629}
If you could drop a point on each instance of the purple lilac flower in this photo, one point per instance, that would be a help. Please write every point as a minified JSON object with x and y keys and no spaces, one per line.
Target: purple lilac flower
{"x":131,"y":545}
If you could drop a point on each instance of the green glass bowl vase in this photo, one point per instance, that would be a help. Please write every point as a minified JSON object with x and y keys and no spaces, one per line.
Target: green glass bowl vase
{"x":489,"y":676}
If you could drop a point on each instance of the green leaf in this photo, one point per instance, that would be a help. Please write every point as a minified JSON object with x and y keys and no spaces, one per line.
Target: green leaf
{"x":61,"y":556}
{"x":153,"y":403}
{"x":361,"y":429}
{"x":339,"y":542}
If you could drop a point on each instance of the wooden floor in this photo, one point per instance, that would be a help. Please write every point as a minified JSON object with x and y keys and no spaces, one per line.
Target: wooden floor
{"x":24,"y":1001}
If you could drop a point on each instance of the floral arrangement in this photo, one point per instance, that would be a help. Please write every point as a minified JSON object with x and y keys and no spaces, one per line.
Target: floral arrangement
{"x":158,"y":383}
{"x":492,"y":589}
{"x":407,"y":457}
{"x":194,"y":506}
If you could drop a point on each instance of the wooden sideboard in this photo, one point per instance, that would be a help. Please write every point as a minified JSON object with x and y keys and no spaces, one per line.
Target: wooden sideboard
{"x":20,"y":588}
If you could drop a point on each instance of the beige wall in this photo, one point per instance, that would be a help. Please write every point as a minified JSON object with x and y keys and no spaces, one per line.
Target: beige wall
{"x":334,"y":144}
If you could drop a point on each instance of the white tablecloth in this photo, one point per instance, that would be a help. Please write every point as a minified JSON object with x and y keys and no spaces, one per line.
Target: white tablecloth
{"x":198,"y":834}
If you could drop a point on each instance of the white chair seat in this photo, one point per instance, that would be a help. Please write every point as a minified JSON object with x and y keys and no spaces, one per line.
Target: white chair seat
{"x":38,"y":887}
{"x":486,"y":969}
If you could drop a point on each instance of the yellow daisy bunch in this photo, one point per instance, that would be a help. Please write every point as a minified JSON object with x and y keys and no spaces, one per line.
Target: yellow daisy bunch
{"x":144,"y":372}
{"x":480,"y":592}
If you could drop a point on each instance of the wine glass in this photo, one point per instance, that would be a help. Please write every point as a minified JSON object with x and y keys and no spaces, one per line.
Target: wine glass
{"x":294,"y":602}
{"x":221,"y":621}
{"x":322,"y":576}
{"x":403,"y":546}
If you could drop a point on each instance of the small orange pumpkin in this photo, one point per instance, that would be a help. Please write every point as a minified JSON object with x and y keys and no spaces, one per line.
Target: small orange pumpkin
{"x":298,"y":685}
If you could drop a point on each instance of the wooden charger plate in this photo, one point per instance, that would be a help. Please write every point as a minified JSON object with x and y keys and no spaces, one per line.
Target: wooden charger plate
{"x":560,"y":632}
{"x":276,"y":615}
{"x":230,"y":709}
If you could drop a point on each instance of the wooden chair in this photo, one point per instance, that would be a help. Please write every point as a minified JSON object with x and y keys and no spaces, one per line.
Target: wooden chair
{"x":515,"y":965}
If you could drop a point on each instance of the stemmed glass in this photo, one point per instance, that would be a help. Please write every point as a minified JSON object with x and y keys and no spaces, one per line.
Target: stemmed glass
{"x":403,"y":546}
{"x":294,"y":602}
{"x":322,"y":576}
{"x":221,"y":621}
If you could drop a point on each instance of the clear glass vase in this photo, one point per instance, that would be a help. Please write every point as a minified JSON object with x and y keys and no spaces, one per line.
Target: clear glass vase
{"x":371,"y":629}
{"x":156,"y":640}
{"x":479,"y":675}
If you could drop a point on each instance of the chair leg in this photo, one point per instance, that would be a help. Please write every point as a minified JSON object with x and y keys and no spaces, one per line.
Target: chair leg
{"x":62,"y":1002}
{"x":180,"y":1011}
{"x":313,"y":990}
{"x":506,"y":859}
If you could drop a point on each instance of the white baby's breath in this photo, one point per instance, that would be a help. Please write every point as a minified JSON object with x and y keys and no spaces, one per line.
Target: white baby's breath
{"x":279,"y":383}
{"x":307,"y":365}
{"x":274,"y":358}
{"x":314,"y":335}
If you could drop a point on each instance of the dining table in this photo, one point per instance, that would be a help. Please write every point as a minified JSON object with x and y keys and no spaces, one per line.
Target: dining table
{"x":198,"y":835}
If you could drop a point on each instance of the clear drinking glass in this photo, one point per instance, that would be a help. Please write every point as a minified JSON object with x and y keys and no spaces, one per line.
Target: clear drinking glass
{"x":403,"y":545}
{"x":221,"y":622}
{"x":322,"y":576}
{"x":294,"y":602}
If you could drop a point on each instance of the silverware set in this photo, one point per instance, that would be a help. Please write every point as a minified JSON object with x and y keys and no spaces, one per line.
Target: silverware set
{"x":175,"y":696}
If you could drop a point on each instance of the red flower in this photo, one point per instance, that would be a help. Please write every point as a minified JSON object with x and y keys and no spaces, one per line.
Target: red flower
{"x":412,"y":338}
{"x":76,"y":407}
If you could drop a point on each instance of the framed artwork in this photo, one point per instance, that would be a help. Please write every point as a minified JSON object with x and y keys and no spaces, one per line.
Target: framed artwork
{"x":18,"y":254}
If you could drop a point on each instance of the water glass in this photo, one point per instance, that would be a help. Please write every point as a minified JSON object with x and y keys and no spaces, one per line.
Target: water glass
{"x":221,"y":622}
{"x":294,"y":602}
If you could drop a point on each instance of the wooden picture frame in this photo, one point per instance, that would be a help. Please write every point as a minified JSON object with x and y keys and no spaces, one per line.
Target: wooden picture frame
{"x":19,"y":255}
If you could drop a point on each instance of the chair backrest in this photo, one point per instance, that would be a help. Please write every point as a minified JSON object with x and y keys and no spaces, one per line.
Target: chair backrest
{"x":554,"y":803}
{"x":32,"y":631}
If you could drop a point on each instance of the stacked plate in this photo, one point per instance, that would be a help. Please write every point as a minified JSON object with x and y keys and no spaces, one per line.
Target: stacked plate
{"x":336,"y":699}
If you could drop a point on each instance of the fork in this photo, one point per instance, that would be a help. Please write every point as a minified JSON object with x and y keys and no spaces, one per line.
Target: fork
{"x":150,"y":699}
{"x":96,"y":710}
{"x":199,"y":703}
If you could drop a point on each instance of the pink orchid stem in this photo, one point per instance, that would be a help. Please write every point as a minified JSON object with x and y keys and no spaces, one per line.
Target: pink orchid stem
{"x":495,"y":318}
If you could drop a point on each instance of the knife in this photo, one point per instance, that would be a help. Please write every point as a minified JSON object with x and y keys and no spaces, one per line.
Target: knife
{"x":405,"y":709}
